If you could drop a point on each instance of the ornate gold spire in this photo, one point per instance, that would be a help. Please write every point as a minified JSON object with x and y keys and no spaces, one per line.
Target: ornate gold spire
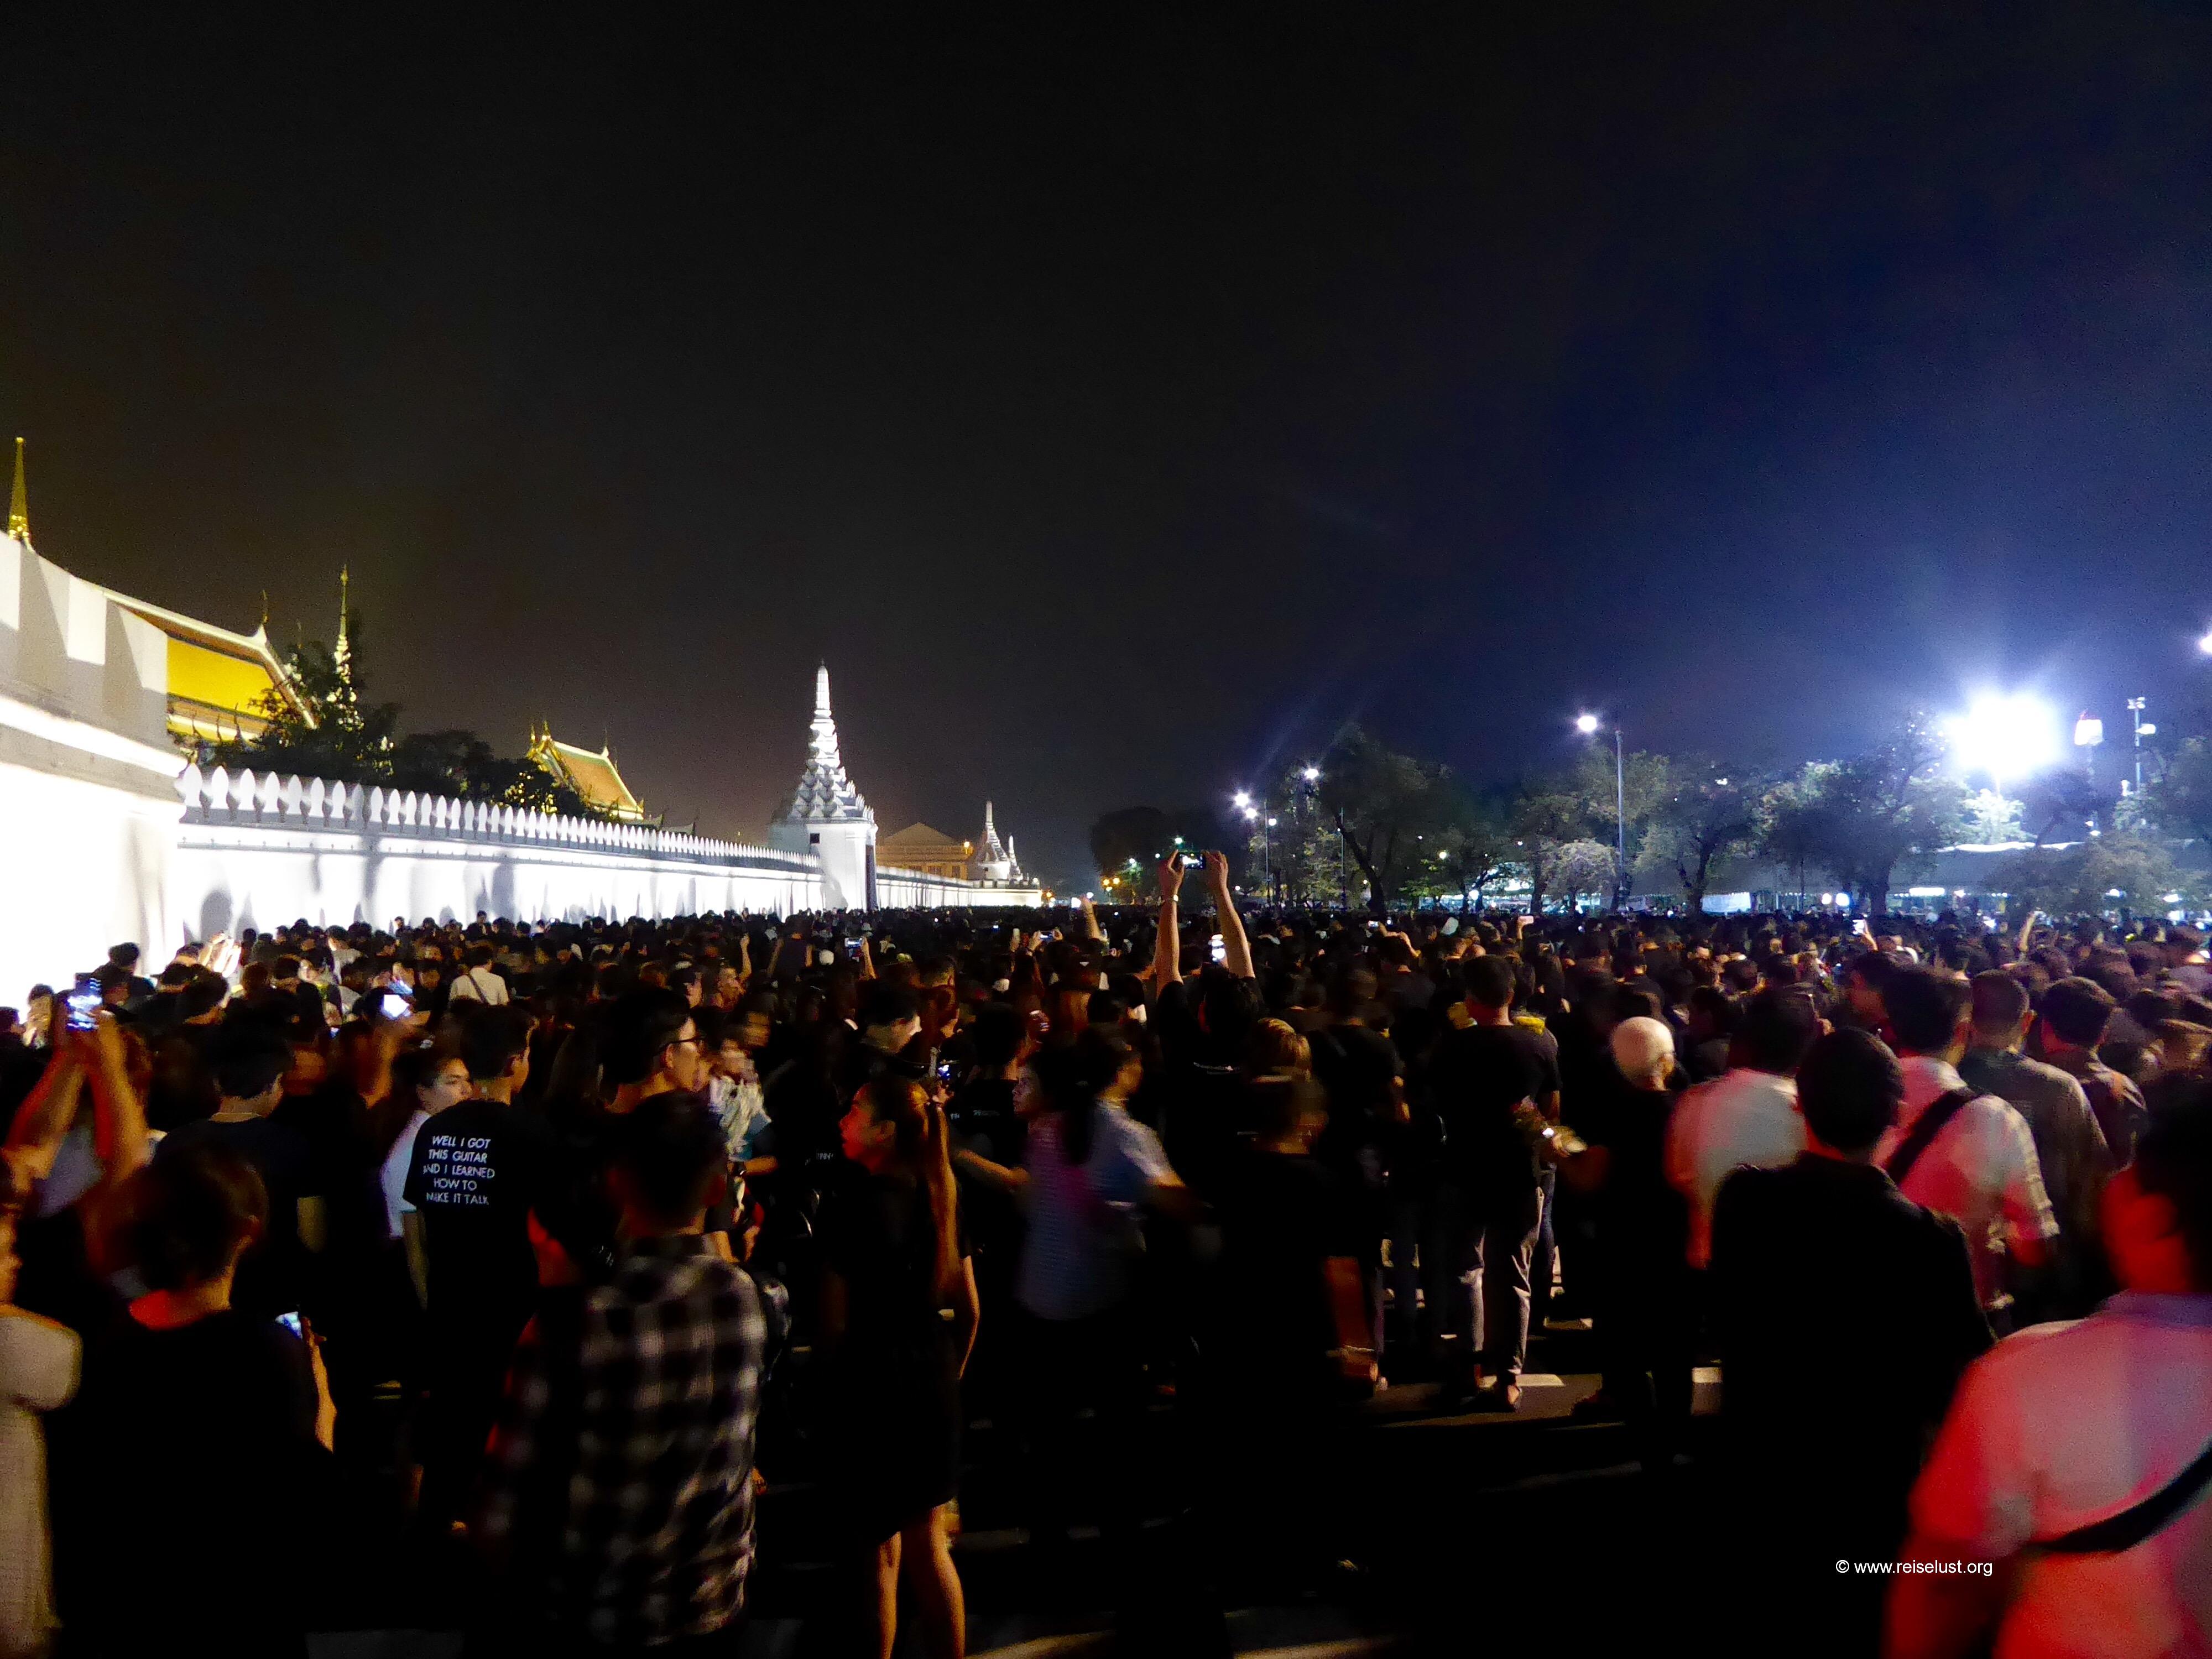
{"x":343,"y":657}
{"x":19,"y":502}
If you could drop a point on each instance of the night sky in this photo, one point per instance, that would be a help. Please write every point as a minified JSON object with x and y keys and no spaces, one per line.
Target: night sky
{"x":1116,"y":404}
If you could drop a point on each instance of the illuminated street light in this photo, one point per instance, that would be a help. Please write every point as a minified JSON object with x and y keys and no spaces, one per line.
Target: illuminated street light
{"x":1312,"y":774}
{"x":1244,"y":799}
{"x":1586,"y":724}
{"x":2205,"y":643}
{"x":2007,"y":737}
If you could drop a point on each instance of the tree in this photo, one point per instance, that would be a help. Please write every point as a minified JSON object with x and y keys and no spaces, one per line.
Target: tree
{"x":1544,"y":822}
{"x":2061,"y":805}
{"x":2180,"y":801}
{"x":1585,"y":866}
{"x":1988,"y":819}
{"x":1884,"y":806}
{"x":2091,"y":876}
{"x":1475,"y":849}
{"x":1621,"y":803}
{"x":1796,"y":811}
{"x":1709,"y":812}
{"x":1383,"y":804}
{"x":1128,"y":845}
{"x":332,"y":732}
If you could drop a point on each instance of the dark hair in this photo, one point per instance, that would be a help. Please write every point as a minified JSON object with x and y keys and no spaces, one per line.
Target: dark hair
{"x":640,"y":1025}
{"x":188,"y":1210}
{"x":1923,"y":1008}
{"x":2173,"y":1160}
{"x":672,"y":1148}
{"x":1778,"y":1027}
{"x":491,"y":1038}
{"x":1073,"y":1077}
{"x":1999,"y":1001}
{"x":1849,"y":1087}
{"x":890,"y":1004}
{"x":1490,"y":981}
{"x":924,"y":1151}
{"x":250,"y":1054}
{"x":997,"y":1034}
{"x":2076,"y":1011}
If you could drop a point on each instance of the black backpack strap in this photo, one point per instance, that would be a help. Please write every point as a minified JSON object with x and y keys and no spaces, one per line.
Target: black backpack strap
{"x":1940,"y":1112}
{"x":2137,"y":1522}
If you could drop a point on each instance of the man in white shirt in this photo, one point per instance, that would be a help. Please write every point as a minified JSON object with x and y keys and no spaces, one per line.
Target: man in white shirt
{"x":2064,"y":1471}
{"x":479,"y":982}
{"x":1746,"y":1115}
{"x":1979,"y":1165}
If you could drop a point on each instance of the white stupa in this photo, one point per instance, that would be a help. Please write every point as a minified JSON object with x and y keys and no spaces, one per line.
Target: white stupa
{"x":829,"y":817}
{"x":994,"y":859}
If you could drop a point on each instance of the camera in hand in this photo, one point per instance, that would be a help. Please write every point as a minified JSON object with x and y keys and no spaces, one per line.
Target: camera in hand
{"x":81,"y":1004}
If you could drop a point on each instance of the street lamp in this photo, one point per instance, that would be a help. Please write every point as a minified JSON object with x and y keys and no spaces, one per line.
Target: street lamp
{"x":2204,"y":643}
{"x":2009,"y":738}
{"x":2088,"y":733}
{"x":1588,"y":726}
{"x":2141,"y":728}
{"x":1244,"y":802}
{"x":1311,"y":774}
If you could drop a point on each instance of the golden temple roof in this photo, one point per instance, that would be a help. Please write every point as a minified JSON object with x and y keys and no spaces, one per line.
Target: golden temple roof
{"x":591,"y":774}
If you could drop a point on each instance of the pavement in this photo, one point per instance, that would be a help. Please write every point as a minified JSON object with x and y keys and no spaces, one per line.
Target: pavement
{"x":1471,"y":1531}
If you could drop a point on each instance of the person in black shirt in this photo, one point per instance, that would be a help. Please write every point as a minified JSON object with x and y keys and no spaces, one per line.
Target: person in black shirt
{"x":250,"y":1060}
{"x":209,"y":1426}
{"x":1644,"y":1325}
{"x":893,"y":1261}
{"x":478,"y":1169}
{"x":1291,"y":1342}
{"x":983,"y":1121}
{"x":1820,"y":1268}
{"x":1475,"y":1264}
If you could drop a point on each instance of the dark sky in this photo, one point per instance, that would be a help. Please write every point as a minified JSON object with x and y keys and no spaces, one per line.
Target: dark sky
{"x":1114,"y":403}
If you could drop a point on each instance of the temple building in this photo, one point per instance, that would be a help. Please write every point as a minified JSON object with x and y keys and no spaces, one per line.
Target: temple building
{"x":931,"y":851}
{"x":996,"y":862}
{"x":219,"y":681}
{"x":828,"y":817}
{"x":591,"y":774}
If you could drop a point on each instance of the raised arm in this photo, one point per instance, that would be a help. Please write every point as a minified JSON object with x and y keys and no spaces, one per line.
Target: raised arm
{"x":1091,"y":930}
{"x":1235,"y":948}
{"x":1167,"y":949}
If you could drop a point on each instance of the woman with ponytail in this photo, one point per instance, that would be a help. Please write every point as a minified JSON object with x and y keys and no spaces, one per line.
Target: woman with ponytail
{"x":898,"y":1315}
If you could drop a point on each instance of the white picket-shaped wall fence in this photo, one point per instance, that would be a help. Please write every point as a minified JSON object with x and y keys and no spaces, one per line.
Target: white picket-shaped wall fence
{"x":215,"y":797}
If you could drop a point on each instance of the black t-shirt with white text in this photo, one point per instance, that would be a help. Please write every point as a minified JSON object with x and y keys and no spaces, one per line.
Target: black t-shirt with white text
{"x":477,"y":1170}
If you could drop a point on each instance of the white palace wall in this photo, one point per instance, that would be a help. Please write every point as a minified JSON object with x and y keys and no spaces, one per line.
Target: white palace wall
{"x":105,"y":835}
{"x":257,"y":851}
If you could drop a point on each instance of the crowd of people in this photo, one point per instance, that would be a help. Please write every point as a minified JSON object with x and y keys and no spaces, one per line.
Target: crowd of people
{"x":536,"y":1250}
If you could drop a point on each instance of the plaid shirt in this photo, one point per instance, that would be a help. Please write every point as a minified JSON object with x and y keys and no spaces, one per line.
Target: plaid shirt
{"x":625,"y":1444}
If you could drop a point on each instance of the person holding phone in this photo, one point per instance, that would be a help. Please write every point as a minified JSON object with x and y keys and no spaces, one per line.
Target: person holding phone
{"x":215,"y":1422}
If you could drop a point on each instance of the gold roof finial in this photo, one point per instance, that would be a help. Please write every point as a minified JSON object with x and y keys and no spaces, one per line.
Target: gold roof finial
{"x":19,"y":502}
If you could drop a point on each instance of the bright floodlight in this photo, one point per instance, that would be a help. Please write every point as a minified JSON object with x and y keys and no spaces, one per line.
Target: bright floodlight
{"x":1244,"y":798}
{"x":2205,"y":643}
{"x":1313,"y":773}
{"x":1585,"y":724}
{"x":2007,"y":738}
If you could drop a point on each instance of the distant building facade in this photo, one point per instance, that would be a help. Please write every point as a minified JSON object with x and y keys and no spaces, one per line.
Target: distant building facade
{"x":931,"y":851}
